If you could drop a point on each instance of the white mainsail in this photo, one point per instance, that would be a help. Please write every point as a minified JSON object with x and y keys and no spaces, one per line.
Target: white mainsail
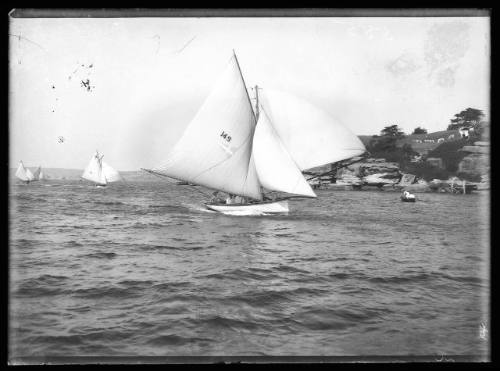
{"x":93,"y":171}
{"x":310,"y":135}
{"x":216,"y":147}
{"x":275,"y":168}
{"x":23,"y":173}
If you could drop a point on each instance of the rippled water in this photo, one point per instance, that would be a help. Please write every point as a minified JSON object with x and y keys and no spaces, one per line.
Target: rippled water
{"x":141,"y":269}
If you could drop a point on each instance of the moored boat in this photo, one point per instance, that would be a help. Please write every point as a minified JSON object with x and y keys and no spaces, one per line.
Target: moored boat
{"x":408,"y":197}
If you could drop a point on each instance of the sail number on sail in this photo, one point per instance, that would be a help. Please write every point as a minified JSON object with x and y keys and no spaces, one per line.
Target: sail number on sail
{"x":226,"y":136}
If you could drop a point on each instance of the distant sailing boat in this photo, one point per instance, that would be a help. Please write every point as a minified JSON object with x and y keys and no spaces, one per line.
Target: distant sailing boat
{"x":99,"y":172}
{"x":24,"y":173}
{"x":230,"y":148}
{"x":38,"y":174}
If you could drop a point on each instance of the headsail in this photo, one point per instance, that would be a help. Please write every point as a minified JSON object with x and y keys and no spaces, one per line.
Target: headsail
{"x":216,"y":147}
{"x":275,"y":168}
{"x":311,"y":136}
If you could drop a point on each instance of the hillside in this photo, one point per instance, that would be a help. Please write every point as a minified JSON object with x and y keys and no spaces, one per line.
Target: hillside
{"x":421,"y":143}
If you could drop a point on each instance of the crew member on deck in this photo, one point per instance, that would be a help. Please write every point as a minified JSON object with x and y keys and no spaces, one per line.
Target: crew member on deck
{"x":230,"y":199}
{"x":215,"y":198}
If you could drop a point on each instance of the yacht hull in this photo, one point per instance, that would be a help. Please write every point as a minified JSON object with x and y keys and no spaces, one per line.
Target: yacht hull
{"x":261,"y":208}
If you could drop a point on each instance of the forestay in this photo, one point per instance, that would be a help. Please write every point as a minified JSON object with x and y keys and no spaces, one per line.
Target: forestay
{"x":215,"y":149}
{"x":310,"y":135}
{"x":275,"y":168}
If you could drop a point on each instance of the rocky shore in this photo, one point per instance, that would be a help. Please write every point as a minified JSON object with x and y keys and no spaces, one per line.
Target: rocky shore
{"x":377,"y":174}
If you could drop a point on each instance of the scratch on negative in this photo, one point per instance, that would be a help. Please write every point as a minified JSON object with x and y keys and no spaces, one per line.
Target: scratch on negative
{"x":185,"y":45}
{"x":25,"y":38}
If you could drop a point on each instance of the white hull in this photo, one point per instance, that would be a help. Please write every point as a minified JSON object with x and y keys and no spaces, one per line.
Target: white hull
{"x":251,"y":209}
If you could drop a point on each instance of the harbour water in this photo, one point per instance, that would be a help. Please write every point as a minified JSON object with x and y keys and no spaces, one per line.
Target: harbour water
{"x":142,"y":269}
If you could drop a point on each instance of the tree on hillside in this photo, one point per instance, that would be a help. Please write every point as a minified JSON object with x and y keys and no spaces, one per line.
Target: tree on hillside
{"x":419,"y":130}
{"x":468,"y":117}
{"x":386,"y":142}
{"x":392,"y":131}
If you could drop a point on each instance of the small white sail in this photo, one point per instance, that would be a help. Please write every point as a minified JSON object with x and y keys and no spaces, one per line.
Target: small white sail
{"x":310,"y":135}
{"x":21,"y":172}
{"x":93,"y":171}
{"x":37,"y":175}
{"x":275,"y":168}
{"x":109,"y":173}
{"x":41,"y":176}
{"x":215,"y":148}
{"x":30,"y":175}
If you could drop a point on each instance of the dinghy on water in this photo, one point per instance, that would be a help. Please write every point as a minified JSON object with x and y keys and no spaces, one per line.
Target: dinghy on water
{"x":231,"y":148}
{"x":99,"y":172}
{"x":24,"y":174}
{"x":407,"y":197}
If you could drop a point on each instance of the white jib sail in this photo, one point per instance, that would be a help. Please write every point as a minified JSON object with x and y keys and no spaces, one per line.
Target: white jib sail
{"x":21,"y":172}
{"x":93,"y":171}
{"x":275,"y":168}
{"x":311,"y":136}
{"x":109,"y":173}
{"x":215,"y":149}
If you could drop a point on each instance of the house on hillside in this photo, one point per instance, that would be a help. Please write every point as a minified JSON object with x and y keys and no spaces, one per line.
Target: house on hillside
{"x":435,"y":161}
{"x":464,"y":131}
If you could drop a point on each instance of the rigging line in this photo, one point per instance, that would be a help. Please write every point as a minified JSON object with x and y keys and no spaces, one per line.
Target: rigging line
{"x":337,"y":168}
{"x":166,"y":176}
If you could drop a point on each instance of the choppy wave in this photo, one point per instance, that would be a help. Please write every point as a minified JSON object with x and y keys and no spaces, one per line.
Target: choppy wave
{"x":146,"y":269}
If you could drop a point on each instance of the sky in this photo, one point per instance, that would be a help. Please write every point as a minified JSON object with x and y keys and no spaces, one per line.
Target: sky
{"x":147,"y":77}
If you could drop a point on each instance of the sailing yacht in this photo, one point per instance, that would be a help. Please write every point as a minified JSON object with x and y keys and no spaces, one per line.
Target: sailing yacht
{"x":24,"y":173}
{"x":256,"y":153}
{"x":99,"y":172}
{"x":38,"y":174}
